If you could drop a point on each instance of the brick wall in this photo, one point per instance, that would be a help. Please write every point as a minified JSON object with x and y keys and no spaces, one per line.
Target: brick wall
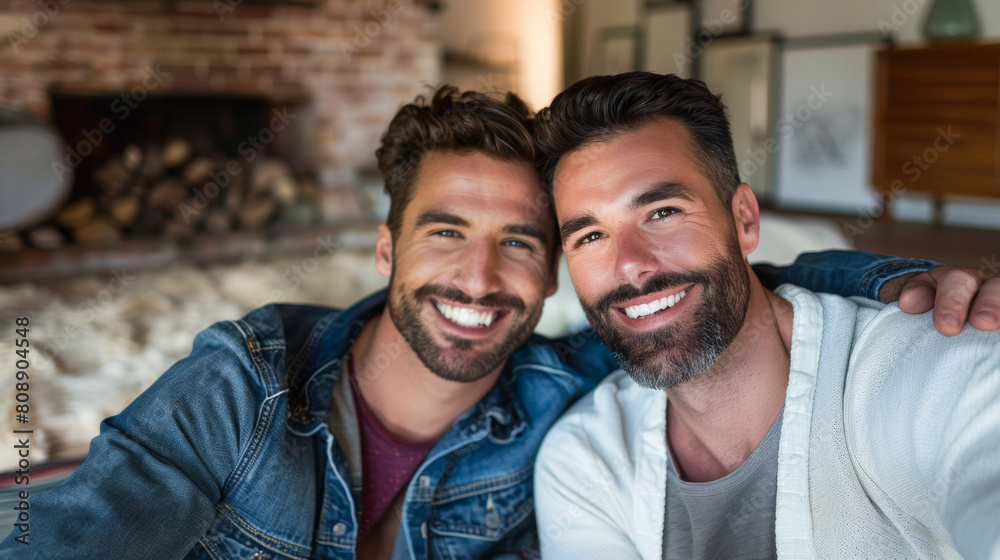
{"x":352,"y":63}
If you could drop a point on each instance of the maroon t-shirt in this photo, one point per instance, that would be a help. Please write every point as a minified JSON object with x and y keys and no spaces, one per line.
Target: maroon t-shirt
{"x":387,"y":462}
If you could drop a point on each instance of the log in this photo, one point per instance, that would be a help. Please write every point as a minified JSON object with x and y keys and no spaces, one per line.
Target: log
{"x":219,"y":222}
{"x":10,"y":241}
{"x":285,"y":189}
{"x":46,"y":237}
{"x":152,"y":164}
{"x":197,"y":172}
{"x":132,"y":157}
{"x":76,"y":214}
{"x":112,"y":176}
{"x":175,"y":153}
{"x":100,"y":233}
{"x":257,"y":212}
{"x":235,"y":193}
{"x":167,"y":195}
{"x":265,"y":173}
{"x":125,"y":210}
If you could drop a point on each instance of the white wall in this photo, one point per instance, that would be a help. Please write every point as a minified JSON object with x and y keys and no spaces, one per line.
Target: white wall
{"x":534,"y":25}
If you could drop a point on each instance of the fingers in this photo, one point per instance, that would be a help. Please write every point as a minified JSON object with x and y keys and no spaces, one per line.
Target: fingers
{"x":956,"y":289}
{"x":918,"y":293}
{"x":985,"y":314}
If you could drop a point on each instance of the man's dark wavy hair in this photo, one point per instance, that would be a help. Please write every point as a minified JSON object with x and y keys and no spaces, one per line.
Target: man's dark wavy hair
{"x":496,"y":125}
{"x":599,"y":108}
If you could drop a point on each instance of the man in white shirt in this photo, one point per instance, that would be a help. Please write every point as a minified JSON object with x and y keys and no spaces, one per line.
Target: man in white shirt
{"x":751,"y":423}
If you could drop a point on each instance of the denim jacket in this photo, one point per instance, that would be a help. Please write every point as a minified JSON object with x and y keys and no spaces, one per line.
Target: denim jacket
{"x":229,"y":454}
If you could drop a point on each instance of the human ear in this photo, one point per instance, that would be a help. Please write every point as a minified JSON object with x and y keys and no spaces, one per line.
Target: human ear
{"x":383,"y":251}
{"x":746,"y":214}
{"x":554,"y":276}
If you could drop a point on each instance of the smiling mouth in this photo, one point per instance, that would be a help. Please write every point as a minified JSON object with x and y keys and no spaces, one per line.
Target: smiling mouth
{"x":654,"y":307}
{"x":466,"y":316}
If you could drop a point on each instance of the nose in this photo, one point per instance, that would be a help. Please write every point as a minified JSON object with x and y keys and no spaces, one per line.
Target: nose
{"x":478,"y":272}
{"x":634,"y":262}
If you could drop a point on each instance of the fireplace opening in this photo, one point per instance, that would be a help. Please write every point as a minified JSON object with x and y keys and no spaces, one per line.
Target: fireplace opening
{"x":175,"y":167}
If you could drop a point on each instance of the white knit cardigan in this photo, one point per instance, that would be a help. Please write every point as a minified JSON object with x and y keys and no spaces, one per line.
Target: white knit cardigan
{"x":890,"y":447}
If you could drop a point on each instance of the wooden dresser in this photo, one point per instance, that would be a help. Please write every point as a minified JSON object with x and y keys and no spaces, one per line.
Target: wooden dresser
{"x":937,"y":121}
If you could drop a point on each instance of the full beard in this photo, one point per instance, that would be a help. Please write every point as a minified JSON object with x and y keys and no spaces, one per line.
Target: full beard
{"x":460,"y":359}
{"x":682,"y":350}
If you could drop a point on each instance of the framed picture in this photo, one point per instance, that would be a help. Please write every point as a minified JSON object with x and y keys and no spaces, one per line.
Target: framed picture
{"x":667,"y":39}
{"x":824,"y":123}
{"x":743,"y":70}
{"x":616,"y":50}
{"x":721,"y":18}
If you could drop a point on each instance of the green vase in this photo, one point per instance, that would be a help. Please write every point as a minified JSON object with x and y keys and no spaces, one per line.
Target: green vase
{"x":951,"y":19}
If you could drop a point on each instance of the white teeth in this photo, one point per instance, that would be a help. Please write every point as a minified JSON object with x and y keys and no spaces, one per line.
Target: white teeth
{"x":464,"y":316}
{"x":647,"y":309}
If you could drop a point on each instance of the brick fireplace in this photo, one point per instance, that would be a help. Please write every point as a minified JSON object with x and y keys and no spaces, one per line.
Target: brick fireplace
{"x":342,"y":67}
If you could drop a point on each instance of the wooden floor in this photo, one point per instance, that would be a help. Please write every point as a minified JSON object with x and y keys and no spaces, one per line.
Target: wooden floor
{"x":959,"y":246}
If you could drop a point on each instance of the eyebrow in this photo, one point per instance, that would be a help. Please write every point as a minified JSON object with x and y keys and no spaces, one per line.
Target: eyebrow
{"x":437,"y":217}
{"x":526,"y":230}
{"x":661,"y":191}
{"x":576,"y":224}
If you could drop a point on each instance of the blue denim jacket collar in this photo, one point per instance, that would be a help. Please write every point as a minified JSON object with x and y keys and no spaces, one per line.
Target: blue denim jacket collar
{"x":312,"y":374}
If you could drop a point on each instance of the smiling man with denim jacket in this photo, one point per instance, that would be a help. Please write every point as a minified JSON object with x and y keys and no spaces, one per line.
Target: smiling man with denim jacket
{"x":257,"y":444}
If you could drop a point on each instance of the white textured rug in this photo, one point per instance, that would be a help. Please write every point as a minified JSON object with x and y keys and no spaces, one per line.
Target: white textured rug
{"x":93,"y":351}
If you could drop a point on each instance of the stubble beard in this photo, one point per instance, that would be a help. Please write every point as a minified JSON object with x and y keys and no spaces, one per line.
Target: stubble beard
{"x":684,"y":349}
{"x":461,"y":359}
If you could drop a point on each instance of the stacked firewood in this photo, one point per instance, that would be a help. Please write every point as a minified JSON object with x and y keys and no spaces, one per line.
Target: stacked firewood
{"x":169,"y":192}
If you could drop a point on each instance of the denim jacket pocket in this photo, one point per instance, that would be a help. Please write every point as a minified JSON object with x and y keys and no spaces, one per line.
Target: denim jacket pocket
{"x":493,"y":510}
{"x":231,"y":537}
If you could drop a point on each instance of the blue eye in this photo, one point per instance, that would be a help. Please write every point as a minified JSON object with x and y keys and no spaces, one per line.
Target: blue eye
{"x":519,"y":244}
{"x":447,"y":233}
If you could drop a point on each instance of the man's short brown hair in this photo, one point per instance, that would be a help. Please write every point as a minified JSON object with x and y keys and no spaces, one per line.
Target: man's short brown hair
{"x":498,"y":126}
{"x":599,"y":108}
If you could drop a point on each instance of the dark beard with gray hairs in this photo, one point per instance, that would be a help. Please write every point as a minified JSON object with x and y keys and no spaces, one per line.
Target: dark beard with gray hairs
{"x":684,"y":349}
{"x":464,"y":360}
